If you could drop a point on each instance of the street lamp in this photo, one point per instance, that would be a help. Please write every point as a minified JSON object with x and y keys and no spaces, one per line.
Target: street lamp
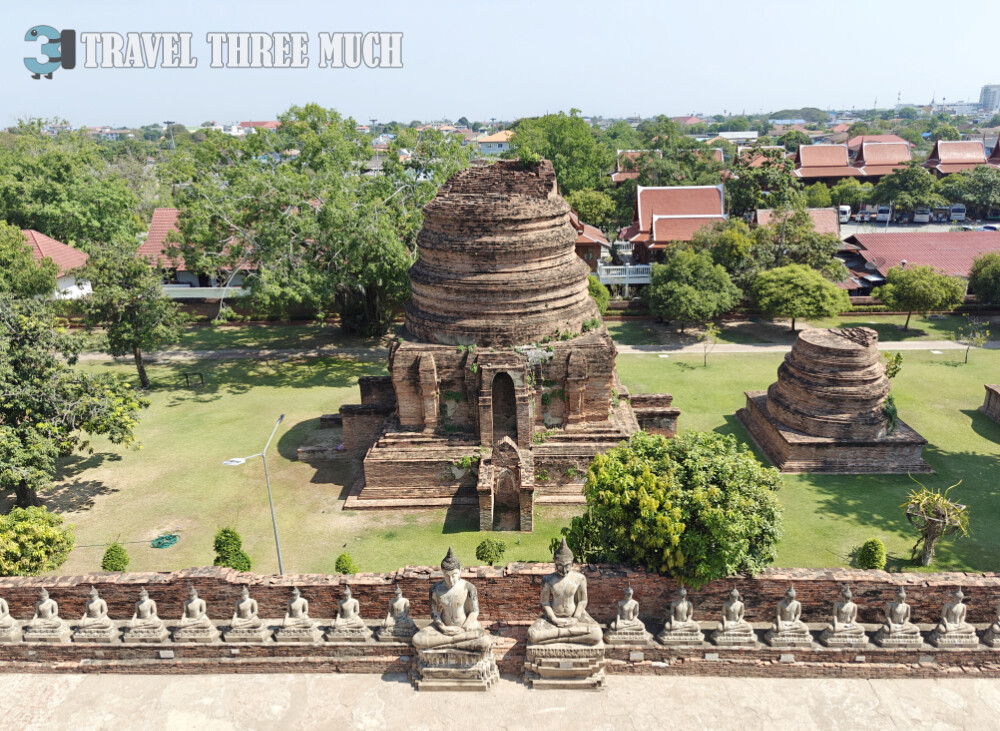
{"x":233,"y":462}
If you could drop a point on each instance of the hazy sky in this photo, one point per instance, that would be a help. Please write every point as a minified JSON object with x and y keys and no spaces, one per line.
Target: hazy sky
{"x":520,"y":58}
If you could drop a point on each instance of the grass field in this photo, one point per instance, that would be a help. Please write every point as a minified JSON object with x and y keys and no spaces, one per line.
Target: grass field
{"x":177,"y":480}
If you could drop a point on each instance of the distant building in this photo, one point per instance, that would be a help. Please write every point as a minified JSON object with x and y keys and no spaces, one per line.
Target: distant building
{"x":667,"y":215}
{"x":878,"y":159}
{"x":952,"y":156}
{"x":495,"y":144}
{"x":688,"y":121}
{"x":854,"y":144}
{"x":66,"y":259}
{"x":989,"y":98}
{"x":591,"y":245}
{"x":824,"y":163}
{"x":259,"y":126}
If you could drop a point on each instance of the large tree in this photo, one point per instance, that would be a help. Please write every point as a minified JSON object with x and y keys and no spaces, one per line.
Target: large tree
{"x":594,"y":207}
{"x":129,"y":303}
{"x":984,"y":277}
{"x":908,"y":187}
{"x":569,"y":142}
{"x":761,"y":178}
{"x":47,"y":408}
{"x":690,"y":288}
{"x":796,"y":291}
{"x":697,"y":507}
{"x":303,"y":210}
{"x":919,"y":289}
{"x":20,"y":274}
{"x":982,"y":189}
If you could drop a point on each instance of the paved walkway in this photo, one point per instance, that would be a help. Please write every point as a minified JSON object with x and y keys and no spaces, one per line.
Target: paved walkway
{"x":370,"y":702}
{"x":379,"y":354}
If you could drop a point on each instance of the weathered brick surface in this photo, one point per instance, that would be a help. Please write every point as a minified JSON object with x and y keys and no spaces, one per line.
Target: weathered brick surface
{"x":509,"y":601}
{"x":991,"y":405}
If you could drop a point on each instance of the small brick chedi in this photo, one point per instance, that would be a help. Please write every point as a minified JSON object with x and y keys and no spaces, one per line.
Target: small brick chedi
{"x":503,"y":384}
{"x":826,"y":412}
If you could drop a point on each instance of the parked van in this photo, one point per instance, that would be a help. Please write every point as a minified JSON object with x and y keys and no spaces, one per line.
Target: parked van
{"x":922,"y":215}
{"x":958,"y":212}
{"x":845,"y":214}
{"x":882,"y":216}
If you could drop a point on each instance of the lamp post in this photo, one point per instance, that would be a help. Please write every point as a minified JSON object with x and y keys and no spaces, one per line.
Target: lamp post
{"x":263,"y":456}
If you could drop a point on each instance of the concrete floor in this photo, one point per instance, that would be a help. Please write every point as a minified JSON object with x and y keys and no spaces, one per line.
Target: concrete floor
{"x":185,"y":702}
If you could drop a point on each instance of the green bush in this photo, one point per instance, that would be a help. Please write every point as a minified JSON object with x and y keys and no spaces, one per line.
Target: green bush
{"x":345,"y":564}
{"x":32,"y":541}
{"x":115,"y":558}
{"x":599,"y":292}
{"x":871,"y":555}
{"x":491,"y":550}
{"x":229,"y":550}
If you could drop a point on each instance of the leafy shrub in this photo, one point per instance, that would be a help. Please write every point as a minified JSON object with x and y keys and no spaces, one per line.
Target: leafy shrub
{"x":491,"y":550}
{"x":115,"y":558}
{"x":345,"y":564}
{"x":229,"y":550}
{"x":599,"y":292}
{"x":871,"y":555}
{"x":32,"y":541}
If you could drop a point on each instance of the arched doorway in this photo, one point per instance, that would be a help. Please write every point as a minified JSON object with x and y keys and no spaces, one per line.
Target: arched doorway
{"x":504,"y":408}
{"x":506,"y":503}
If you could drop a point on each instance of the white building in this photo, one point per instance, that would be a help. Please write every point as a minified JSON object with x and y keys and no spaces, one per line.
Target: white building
{"x":495,"y":144}
{"x":989,"y":98}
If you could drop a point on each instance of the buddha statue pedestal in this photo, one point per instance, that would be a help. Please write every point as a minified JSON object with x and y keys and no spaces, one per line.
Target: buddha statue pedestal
{"x":348,"y":634}
{"x":898,"y":632}
{"x":991,"y":636}
{"x":46,"y":633}
{"x":689,"y":635}
{"x":627,"y":629}
{"x":788,"y":639}
{"x":953,"y":640}
{"x":564,"y":665}
{"x":898,"y":640}
{"x":96,"y":633}
{"x":449,"y":668}
{"x":396,"y":633}
{"x":829,"y":638}
{"x":298,"y":633}
{"x":260,"y":633}
{"x":10,"y":632}
{"x":740,"y":636}
{"x":953,"y":632}
{"x":628,"y":636}
{"x":140,"y":635}
{"x":200,"y":633}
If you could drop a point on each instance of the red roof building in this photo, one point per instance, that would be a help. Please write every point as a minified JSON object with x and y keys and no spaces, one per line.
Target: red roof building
{"x":630,"y":170}
{"x":750,"y":155}
{"x":154,"y":248}
{"x":590,"y":242}
{"x":950,"y":251}
{"x":854,"y":144}
{"x":825,"y":220}
{"x":65,"y":257}
{"x":878,"y":159}
{"x":687,"y":121}
{"x":664,"y":215}
{"x":260,"y":125}
{"x":826,"y":163}
{"x":952,"y":156}
{"x":838,"y":128}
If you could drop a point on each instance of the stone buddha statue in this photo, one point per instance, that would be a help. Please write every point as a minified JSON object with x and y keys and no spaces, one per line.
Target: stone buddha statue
{"x":991,"y":637}
{"x":95,"y":624}
{"x":195,"y":626}
{"x":454,"y":613}
{"x":297,"y":626}
{"x":564,"y":606}
{"x":898,"y":630}
{"x":734,"y":629}
{"x":145,"y":625}
{"x":246,"y":624}
{"x":789,"y":630}
{"x":46,"y":625}
{"x":844,"y":630}
{"x":9,"y":630}
{"x":627,"y":628}
{"x":348,"y":625}
{"x":680,"y":627}
{"x":398,"y":624}
{"x":246,"y":615}
{"x":952,"y":630}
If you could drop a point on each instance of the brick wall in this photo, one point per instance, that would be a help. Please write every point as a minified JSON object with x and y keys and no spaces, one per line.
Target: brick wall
{"x":362,"y":423}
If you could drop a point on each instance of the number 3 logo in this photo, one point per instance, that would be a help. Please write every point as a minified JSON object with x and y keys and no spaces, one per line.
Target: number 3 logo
{"x":59,"y":51}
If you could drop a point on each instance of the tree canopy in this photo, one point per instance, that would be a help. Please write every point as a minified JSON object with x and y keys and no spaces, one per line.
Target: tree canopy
{"x":33,"y":541}
{"x":690,"y":288}
{"x":984,"y":277}
{"x":907,"y":188}
{"x":697,"y":507}
{"x":20,"y":274}
{"x":568,"y":142}
{"x":919,"y":289}
{"x":761,"y":178}
{"x":796,"y":291}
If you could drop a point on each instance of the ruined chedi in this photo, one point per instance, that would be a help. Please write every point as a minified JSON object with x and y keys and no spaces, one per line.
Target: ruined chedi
{"x":503,"y":384}
{"x":827,"y":410}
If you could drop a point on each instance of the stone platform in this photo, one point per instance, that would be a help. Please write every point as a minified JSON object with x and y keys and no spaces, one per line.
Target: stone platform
{"x":791,"y":451}
{"x":991,"y":404}
{"x":450,"y":669}
{"x":563,"y":666}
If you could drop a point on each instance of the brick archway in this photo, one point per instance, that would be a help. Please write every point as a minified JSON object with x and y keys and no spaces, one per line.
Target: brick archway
{"x":504,"y":407}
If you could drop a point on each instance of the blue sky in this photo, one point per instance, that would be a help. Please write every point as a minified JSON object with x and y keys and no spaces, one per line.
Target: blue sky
{"x":520,"y":58}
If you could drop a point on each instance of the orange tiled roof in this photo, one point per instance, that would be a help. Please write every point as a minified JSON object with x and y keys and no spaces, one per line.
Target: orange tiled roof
{"x":824,"y":161}
{"x":855,"y":142}
{"x":153,"y":248}
{"x":881,"y":158}
{"x":44,"y":247}
{"x":586,"y":234}
{"x":825,"y":220}
{"x":685,"y":200}
{"x":950,"y":251}
{"x":503,"y":135}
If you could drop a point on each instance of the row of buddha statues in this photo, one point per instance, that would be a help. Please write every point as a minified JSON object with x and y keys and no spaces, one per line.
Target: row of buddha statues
{"x":454,"y":612}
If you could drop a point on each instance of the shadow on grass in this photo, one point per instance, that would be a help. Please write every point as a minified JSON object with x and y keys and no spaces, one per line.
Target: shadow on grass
{"x":74,"y":496}
{"x":983,"y":425}
{"x":890,"y":332}
{"x":303,"y":433}
{"x":460,"y":519}
{"x":74,"y":464}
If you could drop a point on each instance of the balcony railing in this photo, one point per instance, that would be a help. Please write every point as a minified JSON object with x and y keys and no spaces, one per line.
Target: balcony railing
{"x":182,"y":292}
{"x":628,"y":274}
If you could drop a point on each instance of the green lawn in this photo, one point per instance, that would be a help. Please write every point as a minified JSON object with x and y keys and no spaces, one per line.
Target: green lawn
{"x":177,"y":480}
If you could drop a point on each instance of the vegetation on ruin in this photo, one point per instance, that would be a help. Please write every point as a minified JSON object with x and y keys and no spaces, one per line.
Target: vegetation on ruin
{"x":934,"y":516}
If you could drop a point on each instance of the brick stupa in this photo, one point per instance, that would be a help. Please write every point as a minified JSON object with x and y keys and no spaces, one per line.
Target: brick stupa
{"x":503,"y":384}
{"x":826,"y":412}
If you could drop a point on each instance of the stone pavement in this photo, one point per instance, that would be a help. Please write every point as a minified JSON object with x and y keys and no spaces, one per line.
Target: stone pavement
{"x":372,"y":702}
